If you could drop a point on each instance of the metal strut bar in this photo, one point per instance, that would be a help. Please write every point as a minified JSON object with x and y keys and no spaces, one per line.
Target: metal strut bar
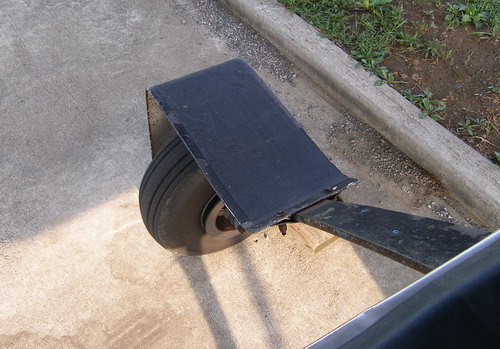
{"x":420,"y":243}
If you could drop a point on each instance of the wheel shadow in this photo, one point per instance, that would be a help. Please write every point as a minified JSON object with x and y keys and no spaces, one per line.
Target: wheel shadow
{"x":199,"y":280}
{"x":256,"y":288}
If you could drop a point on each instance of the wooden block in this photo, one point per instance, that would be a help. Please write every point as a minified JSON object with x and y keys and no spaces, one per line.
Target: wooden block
{"x":313,"y":238}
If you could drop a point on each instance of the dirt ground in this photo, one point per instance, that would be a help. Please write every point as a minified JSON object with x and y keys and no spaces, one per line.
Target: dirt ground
{"x":462,"y":81}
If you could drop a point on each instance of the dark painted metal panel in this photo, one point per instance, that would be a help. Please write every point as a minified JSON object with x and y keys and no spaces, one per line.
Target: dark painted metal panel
{"x":455,"y":306}
{"x":418,"y":242}
{"x":258,"y":158}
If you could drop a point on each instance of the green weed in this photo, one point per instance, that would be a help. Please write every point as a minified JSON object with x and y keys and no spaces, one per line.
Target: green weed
{"x":467,"y":127}
{"x":469,"y":57}
{"x":371,"y":4}
{"x":421,"y":27}
{"x":386,"y":76}
{"x":408,"y":42}
{"x":429,"y":106}
{"x":497,"y":156}
{"x":434,"y":48}
{"x":485,"y":126}
{"x":480,"y":13}
{"x":470,"y":125}
{"x":494,"y":89}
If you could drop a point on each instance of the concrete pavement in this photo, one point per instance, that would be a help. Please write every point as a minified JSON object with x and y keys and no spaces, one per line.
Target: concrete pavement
{"x":78,"y":268}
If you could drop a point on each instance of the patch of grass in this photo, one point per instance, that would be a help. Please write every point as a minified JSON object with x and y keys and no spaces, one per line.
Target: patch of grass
{"x":369,"y":30}
{"x":480,"y":13}
{"x":366,"y":28}
{"x":402,"y":30}
{"x":427,"y":104}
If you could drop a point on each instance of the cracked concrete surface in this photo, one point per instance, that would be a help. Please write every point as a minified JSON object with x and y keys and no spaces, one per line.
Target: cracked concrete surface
{"x":77,"y":267}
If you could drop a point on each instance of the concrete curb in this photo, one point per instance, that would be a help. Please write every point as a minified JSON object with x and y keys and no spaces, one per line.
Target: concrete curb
{"x":465,"y":173}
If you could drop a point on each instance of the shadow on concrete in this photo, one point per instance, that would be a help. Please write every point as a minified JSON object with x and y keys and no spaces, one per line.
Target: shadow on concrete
{"x":256,"y":288}
{"x":199,"y":281}
{"x":389,"y":275}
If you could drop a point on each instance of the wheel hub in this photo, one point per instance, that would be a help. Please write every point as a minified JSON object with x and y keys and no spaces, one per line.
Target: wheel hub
{"x":215,"y":220}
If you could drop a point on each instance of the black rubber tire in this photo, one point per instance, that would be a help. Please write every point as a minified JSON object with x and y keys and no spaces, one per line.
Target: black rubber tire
{"x":172,"y":196}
